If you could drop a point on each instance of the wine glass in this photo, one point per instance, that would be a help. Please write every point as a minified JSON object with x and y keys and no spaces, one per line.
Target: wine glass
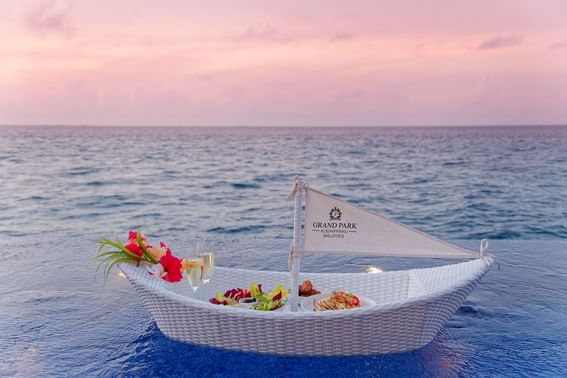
{"x":205,"y":252}
{"x":195,"y":269}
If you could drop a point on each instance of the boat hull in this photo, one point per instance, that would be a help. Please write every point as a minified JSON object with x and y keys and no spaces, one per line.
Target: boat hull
{"x":411,"y":307}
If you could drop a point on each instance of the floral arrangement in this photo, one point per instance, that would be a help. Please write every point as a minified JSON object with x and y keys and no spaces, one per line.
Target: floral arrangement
{"x":137,"y":250}
{"x":161,"y":263}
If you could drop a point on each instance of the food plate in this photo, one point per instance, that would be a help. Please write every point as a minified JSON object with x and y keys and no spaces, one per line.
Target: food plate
{"x":248,"y":306}
{"x":307,"y":303}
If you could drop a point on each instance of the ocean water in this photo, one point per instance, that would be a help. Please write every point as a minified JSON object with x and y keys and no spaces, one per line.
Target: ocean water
{"x":61,"y":188}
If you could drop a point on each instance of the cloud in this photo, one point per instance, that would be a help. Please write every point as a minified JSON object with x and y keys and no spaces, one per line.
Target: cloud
{"x":263,"y":34}
{"x":558,"y":45}
{"x":253,"y":34}
{"x":51,"y":17}
{"x":355,"y":94}
{"x":418,"y":48}
{"x":499,"y":42}
{"x":340,"y":37}
{"x":268,"y":34}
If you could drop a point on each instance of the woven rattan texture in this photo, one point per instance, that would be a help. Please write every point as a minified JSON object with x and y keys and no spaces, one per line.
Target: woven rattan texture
{"x":411,"y":307}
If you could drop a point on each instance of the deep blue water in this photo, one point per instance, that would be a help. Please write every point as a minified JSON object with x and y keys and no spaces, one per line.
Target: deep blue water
{"x":60,"y":188}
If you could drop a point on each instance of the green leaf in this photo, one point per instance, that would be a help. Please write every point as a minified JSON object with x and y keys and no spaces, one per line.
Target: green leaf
{"x":114,"y":263}
{"x":143,"y":247}
{"x":118,"y":245}
{"x":107,"y":253}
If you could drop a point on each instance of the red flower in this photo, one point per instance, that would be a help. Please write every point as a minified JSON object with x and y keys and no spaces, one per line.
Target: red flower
{"x":133,"y":235}
{"x":133,"y":247}
{"x":171,"y":267}
{"x":132,"y":244}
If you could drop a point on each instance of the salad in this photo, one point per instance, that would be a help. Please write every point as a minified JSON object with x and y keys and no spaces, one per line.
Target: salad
{"x":230,"y":297}
{"x":269,"y":301}
{"x":261,"y":301}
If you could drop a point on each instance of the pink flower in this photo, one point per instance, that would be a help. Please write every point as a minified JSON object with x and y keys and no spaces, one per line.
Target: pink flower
{"x":133,"y":247}
{"x":171,"y":267}
{"x":133,"y":235}
{"x":157,"y":252}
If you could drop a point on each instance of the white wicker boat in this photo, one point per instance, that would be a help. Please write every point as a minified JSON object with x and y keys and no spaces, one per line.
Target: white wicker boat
{"x":411,"y":305}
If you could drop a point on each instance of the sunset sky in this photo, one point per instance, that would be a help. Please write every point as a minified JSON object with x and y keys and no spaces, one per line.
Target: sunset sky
{"x":367,"y":63}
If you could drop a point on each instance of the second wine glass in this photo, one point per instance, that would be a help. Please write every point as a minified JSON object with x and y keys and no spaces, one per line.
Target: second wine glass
{"x":205,"y":252}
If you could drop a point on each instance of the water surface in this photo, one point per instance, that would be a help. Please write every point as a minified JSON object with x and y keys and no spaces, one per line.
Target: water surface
{"x":63,"y":187}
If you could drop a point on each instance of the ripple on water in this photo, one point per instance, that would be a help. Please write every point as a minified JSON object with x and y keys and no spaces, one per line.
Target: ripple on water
{"x":236,"y":230}
{"x":244,"y":185}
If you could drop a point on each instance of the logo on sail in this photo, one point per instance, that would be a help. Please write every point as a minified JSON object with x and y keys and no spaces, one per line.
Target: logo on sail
{"x":335,"y":227}
{"x":335,"y":214}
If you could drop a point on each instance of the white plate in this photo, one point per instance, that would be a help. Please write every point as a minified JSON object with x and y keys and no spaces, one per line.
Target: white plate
{"x":307,"y":303}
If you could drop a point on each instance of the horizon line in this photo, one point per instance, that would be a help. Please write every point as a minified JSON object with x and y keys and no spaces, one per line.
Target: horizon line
{"x":286,"y":126}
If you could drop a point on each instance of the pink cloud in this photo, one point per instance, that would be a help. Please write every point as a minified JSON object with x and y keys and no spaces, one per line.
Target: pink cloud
{"x":558,"y":45}
{"x":266,"y":33}
{"x":499,"y":42}
{"x":51,"y":17}
{"x":340,"y":37}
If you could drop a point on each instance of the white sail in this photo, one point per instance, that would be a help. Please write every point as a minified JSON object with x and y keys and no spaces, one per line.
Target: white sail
{"x":336,"y":226}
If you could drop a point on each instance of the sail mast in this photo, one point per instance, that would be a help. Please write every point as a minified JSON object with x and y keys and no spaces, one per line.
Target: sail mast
{"x":295,"y":253}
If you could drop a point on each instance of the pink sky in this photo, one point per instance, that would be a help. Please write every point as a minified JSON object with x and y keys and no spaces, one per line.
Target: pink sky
{"x":179,"y":62}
